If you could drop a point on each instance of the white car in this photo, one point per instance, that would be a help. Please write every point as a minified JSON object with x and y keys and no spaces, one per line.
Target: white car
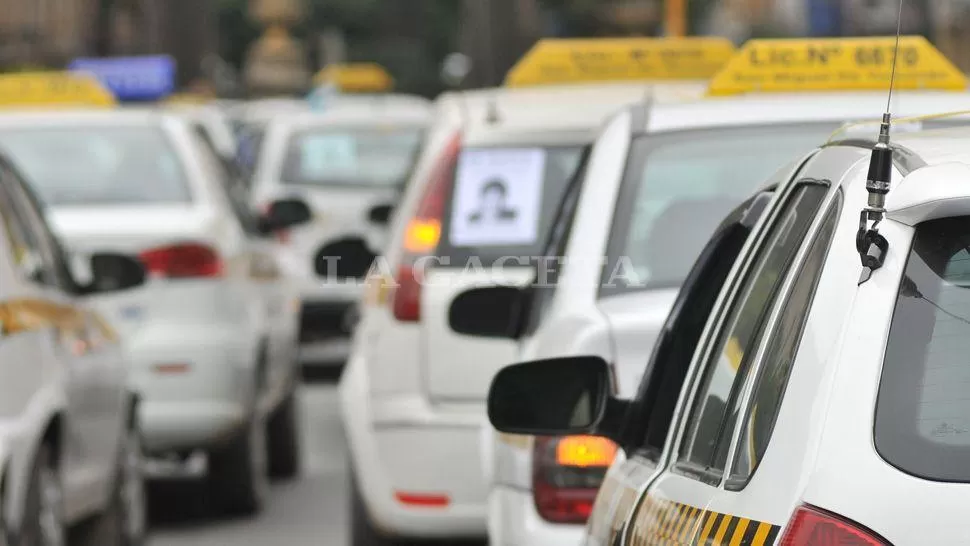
{"x":70,"y":442}
{"x":348,"y":165}
{"x":818,"y":374}
{"x":496,"y":167}
{"x":660,"y":179}
{"x":218,"y":385}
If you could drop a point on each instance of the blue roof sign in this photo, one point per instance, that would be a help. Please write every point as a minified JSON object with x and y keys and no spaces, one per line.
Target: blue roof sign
{"x":132,"y":78}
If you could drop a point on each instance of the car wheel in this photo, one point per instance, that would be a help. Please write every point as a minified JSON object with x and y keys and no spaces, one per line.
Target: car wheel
{"x":283,"y":436}
{"x":43,"y":523}
{"x":362,"y":531}
{"x":238,"y":474}
{"x":125,"y":520}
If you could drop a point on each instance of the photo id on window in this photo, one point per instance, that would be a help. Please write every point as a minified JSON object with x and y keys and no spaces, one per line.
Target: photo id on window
{"x":498,"y":197}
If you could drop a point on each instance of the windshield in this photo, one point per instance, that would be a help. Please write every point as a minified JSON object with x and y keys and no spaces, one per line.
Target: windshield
{"x":350,"y":156}
{"x":677,"y":189}
{"x":98,"y":165}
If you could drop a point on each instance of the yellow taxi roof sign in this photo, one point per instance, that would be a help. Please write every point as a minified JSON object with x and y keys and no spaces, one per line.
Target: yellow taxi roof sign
{"x":355,"y":77}
{"x":836,"y":64}
{"x":53,"y":89}
{"x":594,"y":60}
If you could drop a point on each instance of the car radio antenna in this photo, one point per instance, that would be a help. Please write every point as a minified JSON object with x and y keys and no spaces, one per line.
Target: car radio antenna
{"x":872,"y":246}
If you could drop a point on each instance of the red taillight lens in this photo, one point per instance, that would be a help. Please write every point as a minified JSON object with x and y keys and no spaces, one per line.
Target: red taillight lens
{"x":422,"y":233}
{"x":182,"y":261}
{"x":407,"y":294}
{"x":566,"y":475}
{"x":810,"y":526}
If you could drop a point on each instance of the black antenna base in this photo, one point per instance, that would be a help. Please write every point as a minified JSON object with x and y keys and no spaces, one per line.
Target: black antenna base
{"x":870,"y":244}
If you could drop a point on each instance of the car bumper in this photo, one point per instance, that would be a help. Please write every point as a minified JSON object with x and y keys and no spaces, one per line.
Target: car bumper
{"x":401,"y":446}
{"x":197,"y":386}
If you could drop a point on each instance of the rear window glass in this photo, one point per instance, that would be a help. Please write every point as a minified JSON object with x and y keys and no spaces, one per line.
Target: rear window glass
{"x":504,"y":202}
{"x":98,"y":165}
{"x":923,"y":410}
{"x":679,"y":187}
{"x":350,"y":157}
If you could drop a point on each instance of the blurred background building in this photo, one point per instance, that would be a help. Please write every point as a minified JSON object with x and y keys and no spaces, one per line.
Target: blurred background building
{"x":212,"y":39}
{"x":49,"y":33}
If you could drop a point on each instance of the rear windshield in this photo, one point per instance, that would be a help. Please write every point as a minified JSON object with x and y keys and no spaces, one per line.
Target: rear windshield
{"x":98,"y":165}
{"x":350,"y":156}
{"x":679,"y":187}
{"x":923,"y":410}
{"x":504,"y":203}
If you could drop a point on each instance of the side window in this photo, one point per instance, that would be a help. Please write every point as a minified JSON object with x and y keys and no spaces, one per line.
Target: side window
{"x":784,"y":339}
{"x":231,"y":186}
{"x":28,"y":251}
{"x":709,"y":428}
{"x":550,"y":264}
{"x":668,"y":366}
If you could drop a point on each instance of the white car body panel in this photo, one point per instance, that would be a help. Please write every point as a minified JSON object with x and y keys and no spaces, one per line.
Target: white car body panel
{"x":821,"y":449}
{"x":77,"y":377}
{"x":340,"y":212}
{"x":217,"y":326}
{"x":425,"y":386}
{"x":634,"y":331}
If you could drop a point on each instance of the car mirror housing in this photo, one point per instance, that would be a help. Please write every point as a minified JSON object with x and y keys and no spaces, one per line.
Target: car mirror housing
{"x":555,"y":397}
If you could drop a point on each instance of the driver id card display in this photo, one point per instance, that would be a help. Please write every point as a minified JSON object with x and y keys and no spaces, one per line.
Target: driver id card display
{"x":498,"y":197}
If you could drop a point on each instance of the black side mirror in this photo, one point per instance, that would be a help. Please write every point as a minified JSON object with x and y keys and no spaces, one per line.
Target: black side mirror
{"x":555,"y":397}
{"x":380,"y":215}
{"x":115,"y":272}
{"x":285,"y":213}
{"x":494,"y":311}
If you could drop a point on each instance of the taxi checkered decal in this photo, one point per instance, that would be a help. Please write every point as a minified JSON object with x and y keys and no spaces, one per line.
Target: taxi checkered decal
{"x":666,"y":523}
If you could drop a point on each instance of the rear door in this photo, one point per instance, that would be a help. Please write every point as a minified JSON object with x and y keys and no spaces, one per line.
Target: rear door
{"x":503,"y":205}
{"x":665,"y":374}
{"x":676,"y":505}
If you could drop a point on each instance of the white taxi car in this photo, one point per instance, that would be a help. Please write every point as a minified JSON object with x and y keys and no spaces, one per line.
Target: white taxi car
{"x":414,"y":390}
{"x":218,"y":389}
{"x":806,"y":387}
{"x":348,"y":165}
{"x":660,"y":179}
{"x":70,"y":443}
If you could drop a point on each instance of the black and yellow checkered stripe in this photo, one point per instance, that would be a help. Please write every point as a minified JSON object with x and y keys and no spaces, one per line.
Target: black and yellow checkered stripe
{"x":665,"y":523}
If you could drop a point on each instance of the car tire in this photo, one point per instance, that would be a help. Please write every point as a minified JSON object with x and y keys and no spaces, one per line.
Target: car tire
{"x":362,"y":531}
{"x":283,"y":439}
{"x":43,"y":523}
{"x":238,"y":479}
{"x":125,"y":520}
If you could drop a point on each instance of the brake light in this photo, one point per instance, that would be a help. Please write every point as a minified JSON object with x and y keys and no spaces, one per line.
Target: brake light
{"x":181,"y":261}
{"x":566,"y":476}
{"x":810,"y":526}
{"x":422,"y":234}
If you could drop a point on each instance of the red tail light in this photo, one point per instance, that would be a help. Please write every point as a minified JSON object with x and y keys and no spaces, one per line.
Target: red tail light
{"x":566,"y":475}
{"x":810,"y":526}
{"x":422,"y":233}
{"x":182,"y":261}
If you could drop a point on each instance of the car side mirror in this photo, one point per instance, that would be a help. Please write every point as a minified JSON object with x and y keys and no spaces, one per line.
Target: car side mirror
{"x":380,"y":215}
{"x":283,"y":214}
{"x":554,"y":397}
{"x":491,"y":312}
{"x":115,"y":272}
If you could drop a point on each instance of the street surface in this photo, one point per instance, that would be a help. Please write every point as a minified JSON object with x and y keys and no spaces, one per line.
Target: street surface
{"x":311,"y":510}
